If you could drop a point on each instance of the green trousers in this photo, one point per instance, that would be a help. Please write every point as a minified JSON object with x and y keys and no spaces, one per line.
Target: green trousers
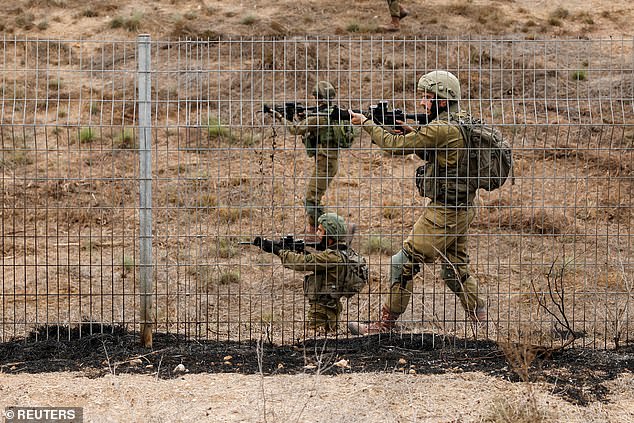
{"x":395,"y":8}
{"x":439,"y":232}
{"x":326,"y":164}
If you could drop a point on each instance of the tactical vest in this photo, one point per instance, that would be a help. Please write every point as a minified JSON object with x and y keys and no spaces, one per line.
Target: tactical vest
{"x":443,"y":184}
{"x":328,"y":135}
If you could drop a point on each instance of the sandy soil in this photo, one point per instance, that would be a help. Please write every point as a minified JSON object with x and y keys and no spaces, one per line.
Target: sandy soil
{"x":211,"y":18}
{"x":468,"y":397}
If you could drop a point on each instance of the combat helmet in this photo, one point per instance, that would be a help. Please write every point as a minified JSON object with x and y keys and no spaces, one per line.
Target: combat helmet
{"x":443,"y":84}
{"x":324,"y":91}
{"x":334,"y":225}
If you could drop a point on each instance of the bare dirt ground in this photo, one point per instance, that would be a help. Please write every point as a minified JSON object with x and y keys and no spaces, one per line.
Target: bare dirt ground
{"x":397,"y":380}
{"x":520,"y":18}
{"x":394,"y":378}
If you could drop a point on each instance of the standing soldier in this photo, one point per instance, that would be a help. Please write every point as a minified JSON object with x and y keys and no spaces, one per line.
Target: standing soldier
{"x":322,"y":139}
{"x":442,"y":229}
{"x":337,"y":271}
{"x":397,"y":12}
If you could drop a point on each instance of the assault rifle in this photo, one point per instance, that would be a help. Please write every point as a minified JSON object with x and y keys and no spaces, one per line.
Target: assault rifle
{"x":288,"y":243}
{"x":291,"y":109}
{"x":380,"y":113}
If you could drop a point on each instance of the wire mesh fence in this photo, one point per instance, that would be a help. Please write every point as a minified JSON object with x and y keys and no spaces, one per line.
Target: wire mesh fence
{"x":552,"y":252}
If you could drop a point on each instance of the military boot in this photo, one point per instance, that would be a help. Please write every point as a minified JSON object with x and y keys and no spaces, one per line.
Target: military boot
{"x":385,"y":325}
{"x":403,"y":13}
{"x":393,"y":26}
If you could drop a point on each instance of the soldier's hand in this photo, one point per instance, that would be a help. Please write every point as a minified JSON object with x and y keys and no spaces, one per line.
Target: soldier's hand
{"x":357,"y":118}
{"x":267,"y":245}
{"x":406,"y":128}
{"x":278,"y":115}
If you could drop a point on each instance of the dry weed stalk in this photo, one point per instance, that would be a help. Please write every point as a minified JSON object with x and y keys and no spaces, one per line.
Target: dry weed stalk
{"x":557,"y":295}
{"x":618,"y":317}
{"x":521,"y":355}
{"x":323,"y":365}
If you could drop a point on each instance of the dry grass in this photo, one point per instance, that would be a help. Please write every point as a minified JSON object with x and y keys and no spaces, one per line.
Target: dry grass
{"x":15,"y":158}
{"x":229,"y":277}
{"x":512,"y":409}
{"x":378,"y":245}
{"x":527,"y":219}
{"x":130,"y":23}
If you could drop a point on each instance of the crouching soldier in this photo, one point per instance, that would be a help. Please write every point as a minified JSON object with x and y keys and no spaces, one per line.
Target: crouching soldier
{"x":336,"y":271}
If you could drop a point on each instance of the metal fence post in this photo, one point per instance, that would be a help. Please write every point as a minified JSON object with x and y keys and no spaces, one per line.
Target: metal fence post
{"x":145,"y":190}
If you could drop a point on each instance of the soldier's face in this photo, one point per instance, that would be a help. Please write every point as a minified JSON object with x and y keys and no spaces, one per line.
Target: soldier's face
{"x":427,"y":102}
{"x":320,"y":231}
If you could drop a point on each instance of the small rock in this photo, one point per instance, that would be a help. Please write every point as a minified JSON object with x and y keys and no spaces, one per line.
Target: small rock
{"x":135,"y":362}
{"x":402,"y":361}
{"x":412,"y":371}
{"x":227,"y":357}
{"x":280,"y":366}
{"x":180,"y":369}
{"x":343,"y":363}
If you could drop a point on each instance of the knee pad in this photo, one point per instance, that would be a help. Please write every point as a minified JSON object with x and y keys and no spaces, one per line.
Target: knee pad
{"x":402,"y":268}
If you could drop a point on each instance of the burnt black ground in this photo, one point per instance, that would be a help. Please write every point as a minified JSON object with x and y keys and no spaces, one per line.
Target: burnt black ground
{"x":578,"y":375}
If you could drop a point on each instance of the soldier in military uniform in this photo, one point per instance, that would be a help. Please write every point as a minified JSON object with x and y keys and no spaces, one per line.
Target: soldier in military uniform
{"x":322,"y":139}
{"x":442,"y":229}
{"x":397,"y":12}
{"x":336,"y":271}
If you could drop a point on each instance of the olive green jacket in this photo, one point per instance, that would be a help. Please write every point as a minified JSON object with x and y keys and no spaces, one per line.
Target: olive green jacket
{"x":328,"y":269}
{"x":441,"y":144}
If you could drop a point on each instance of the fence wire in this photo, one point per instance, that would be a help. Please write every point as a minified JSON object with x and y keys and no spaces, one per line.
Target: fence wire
{"x":555,"y":246}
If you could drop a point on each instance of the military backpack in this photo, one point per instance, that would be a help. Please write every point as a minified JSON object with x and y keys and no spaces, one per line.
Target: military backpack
{"x":489,"y":160}
{"x":487,"y":164}
{"x":356,"y":275}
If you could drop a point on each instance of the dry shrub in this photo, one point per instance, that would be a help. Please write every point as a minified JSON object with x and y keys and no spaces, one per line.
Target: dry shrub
{"x":273,"y":58}
{"x":518,"y":410}
{"x":391,"y":209}
{"x":521,"y":356}
{"x":25,"y":21}
{"x":610,"y":206}
{"x":531,"y":219}
{"x":227,"y":214}
{"x":226,"y":248}
{"x":229,"y":277}
{"x":12,"y":159}
{"x":378,"y":245}
{"x":192,"y":29}
{"x":188,"y":192}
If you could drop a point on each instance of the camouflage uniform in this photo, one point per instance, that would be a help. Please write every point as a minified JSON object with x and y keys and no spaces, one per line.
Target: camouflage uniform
{"x":320,"y":286}
{"x":331,"y":277}
{"x":442,"y":229}
{"x":322,"y":139}
{"x":395,"y":8}
{"x":319,"y":138}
